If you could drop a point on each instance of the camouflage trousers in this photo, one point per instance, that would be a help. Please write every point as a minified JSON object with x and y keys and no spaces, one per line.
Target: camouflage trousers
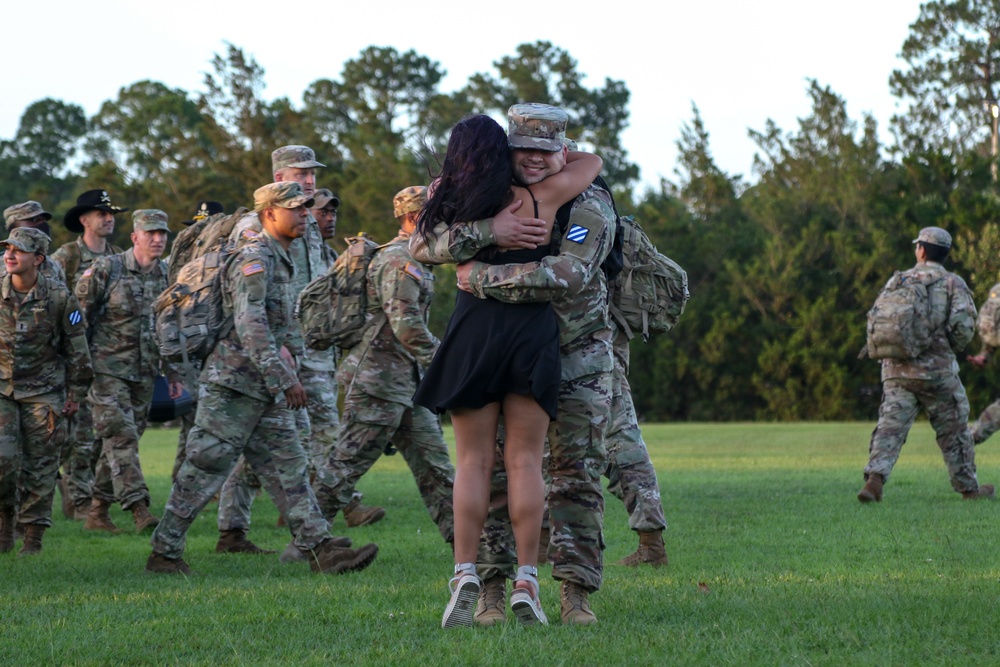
{"x":32,"y":431}
{"x":369,"y":424}
{"x":948,"y":409}
{"x":324,"y":423}
{"x":80,"y":452}
{"x":187,"y":422}
{"x":120,"y":408}
{"x":987,"y":424}
{"x":229,"y":424}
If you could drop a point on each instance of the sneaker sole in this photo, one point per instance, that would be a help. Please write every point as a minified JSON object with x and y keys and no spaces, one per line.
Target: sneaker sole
{"x":526,"y":612}
{"x":460,"y":610}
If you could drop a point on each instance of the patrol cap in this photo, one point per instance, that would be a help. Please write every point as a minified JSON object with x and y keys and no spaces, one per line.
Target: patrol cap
{"x":149,"y":220}
{"x":28,"y":239}
{"x":300,"y":157}
{"x":570,"y":144}
{"x":205,"y":209}
{"x":25,"y":211}
{"x":934,"y":236}
{"x":533,"y":126}
{"x":284,"y":194}
{"x":409,"y":199}
{"x":324,"y":197}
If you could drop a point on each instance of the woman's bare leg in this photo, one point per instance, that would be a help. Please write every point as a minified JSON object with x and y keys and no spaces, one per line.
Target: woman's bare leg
{"x":475,"y":443}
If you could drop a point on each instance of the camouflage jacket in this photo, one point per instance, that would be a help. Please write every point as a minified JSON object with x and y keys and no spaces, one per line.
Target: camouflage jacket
{"x":953,"y":317}
{"x":260,"y":297}
{"x":571,"y":279}
{"x":43,"y":342}
{"x":117,"y":301}
{"x":311,"y":257}
{"x":75,"y":257}
{"x":397,"y":344}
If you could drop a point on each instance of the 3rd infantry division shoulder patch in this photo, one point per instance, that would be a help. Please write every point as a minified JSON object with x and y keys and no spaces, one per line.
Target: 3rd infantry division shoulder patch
{"x":577,"y":233}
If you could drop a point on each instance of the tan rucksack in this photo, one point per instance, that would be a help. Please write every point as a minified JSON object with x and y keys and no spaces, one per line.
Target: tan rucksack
{"x":899,"y":322}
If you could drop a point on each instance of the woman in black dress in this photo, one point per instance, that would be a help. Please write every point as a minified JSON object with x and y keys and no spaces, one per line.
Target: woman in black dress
{"x":497,"y":358}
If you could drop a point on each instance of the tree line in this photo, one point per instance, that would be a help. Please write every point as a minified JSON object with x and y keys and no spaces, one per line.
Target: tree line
{"x":783,"y":267}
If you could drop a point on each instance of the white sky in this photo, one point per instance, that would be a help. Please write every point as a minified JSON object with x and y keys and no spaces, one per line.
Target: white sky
{"x":740,"y":62}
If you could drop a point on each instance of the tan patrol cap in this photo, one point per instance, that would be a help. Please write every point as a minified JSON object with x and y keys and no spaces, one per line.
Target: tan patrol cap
{"x":324,"y":197}
{"x":409,"y":199}
{"x":28,"y":239}
{"x":284,"y":194}
{"x":539,"y":127}
{"x":299,"y":157}
{"x":149,"y":220}
{"x":25,"y":211}
{"x":934,"y":236}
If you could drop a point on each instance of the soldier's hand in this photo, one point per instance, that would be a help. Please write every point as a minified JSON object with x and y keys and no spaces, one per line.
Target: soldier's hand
{"x":979,"y":360}
{"x":511,"y":231}
{"x":295,"y":396}
{"x":288,"y":358}
{"x":462,"y":272}
{"x":70,"y":408}
{"x":175,"y":390}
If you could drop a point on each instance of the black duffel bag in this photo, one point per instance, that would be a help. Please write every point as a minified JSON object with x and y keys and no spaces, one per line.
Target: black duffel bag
{"x":163,"y":408}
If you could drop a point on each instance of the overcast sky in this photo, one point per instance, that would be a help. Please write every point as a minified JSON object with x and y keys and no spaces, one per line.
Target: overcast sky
{"x":740,"y":62}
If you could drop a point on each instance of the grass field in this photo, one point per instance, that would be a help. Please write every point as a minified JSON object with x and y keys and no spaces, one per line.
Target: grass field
{"x":772,"y":562}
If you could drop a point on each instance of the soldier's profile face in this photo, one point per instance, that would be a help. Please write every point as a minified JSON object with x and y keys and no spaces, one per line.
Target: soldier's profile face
{"x":19,"y":262}
{"x":287,"y":223}
{"x":304,"y":177}
{"x":533,"y":166}
{"x":150,"y":243}
{"x":101,"y":223}
{"x":326,"y":219}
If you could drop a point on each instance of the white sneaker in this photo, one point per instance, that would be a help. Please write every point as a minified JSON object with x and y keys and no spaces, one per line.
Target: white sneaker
{"x":525,"y":606}
{"x":464,"y":588}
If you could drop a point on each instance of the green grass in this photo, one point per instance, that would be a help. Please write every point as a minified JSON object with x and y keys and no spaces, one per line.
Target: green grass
{"x":772,"y":562}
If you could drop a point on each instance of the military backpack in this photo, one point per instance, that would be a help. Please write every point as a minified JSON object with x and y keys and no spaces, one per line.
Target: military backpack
{"x":899,"y":323}
{"x":333,"y":309}
{"x":651,"y":292}
{"x":988,"y":322}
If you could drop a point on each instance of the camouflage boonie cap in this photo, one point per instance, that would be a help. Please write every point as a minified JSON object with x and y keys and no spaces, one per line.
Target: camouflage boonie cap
{"x":324,"y":197}
{"x":149,"y":220}
{"x":25,"y":211}
{"x":934,"y":236}
{"x":300,"y":157}
{"x":285,"y":194}
{"x":28,"y":239}
{"x":539,"y":127}
{"x":409,"y":199}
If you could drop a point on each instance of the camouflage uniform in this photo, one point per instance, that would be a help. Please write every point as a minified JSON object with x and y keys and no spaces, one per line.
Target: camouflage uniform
{"x":117,"y":299}
{"x":931,"y":381}
{"x":575,"y":284}
{"x":43,"y":361}
{"x":81,"y":450}
{"x":25,"y":211}
{"x":379,"y":376}
{"x":988,"y":421}
{"x":241,"y":406}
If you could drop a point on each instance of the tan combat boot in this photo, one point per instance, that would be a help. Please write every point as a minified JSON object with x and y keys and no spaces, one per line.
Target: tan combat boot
{"x":575,"y":605}
{"x":235,"y":542}
{"x":327,"y":558}
{"x":872,"y":490}
{"x":99,"y":519}
{"x":32,"y":540}
{"x":492,"y":604}
{"x":143,"y":518}
{"x":358,"y":515}
{"x":985,"y":491}
{"x":6,"y":530}
{"x":651,"y":550}
{"x":159,"y":564}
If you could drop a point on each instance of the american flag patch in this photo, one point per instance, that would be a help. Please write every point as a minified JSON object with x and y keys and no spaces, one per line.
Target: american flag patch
{"x":249,"y":234}
{"x":413,"y":271}
{"x":577,"y":233}
{"x":87,"y":272}
{"x":252,"y":268}
{"x":75,"y":317}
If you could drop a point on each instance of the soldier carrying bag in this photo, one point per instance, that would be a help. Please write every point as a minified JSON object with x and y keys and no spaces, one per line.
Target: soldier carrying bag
{"x":333,"y":309}
{"x":988,"y":322}
{"x":899,"y":322}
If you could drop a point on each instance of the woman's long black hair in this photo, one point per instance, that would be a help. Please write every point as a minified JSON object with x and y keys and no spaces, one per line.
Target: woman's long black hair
{"x":475,"y":177}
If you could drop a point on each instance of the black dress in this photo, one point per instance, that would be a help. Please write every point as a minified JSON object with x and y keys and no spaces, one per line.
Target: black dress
{"x":492,"y":349}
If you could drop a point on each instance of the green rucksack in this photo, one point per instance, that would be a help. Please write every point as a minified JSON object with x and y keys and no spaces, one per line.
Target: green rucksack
{"x":899,"y":323}
{"x":988,"y":322}
{"x":651,"y":292}
{"x":333,"y":309}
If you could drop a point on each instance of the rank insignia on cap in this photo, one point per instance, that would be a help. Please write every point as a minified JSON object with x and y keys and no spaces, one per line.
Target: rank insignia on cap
{"x":75,"y":317}
{"x":412,"y":269}
{"x":252,"y":268}
{"x":577,"y":233}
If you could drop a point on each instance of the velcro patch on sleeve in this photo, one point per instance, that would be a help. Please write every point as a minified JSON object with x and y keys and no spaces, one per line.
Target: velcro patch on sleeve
{"x":88,"y":272}
{"x":249,"y":234}
{"x":577,"y":234}
{"x":75,"y":318}
{"x":252,"y":268}
{"x":414,"y":271}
